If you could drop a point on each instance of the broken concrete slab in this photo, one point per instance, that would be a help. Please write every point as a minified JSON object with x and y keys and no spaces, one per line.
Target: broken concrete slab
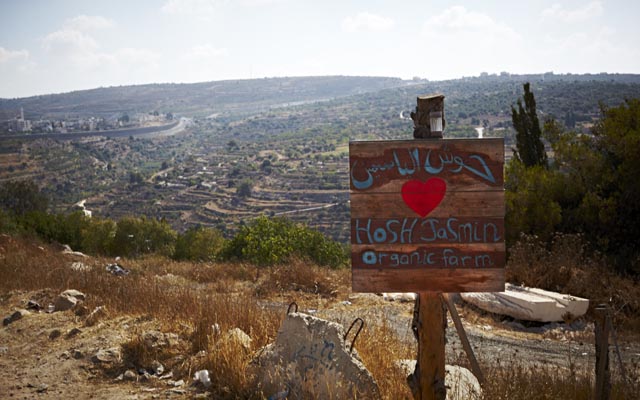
{"x":309,"y":359}
{"x":460,"y":382}
{"x":530,"y":304}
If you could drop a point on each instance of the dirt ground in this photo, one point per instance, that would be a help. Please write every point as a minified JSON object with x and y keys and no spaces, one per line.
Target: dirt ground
{"x":41,"y":356}
{"x":53,"y":355}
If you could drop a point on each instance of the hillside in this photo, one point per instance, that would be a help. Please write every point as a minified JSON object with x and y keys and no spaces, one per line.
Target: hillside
{"x":293,"y":158}
{"x":143,"y":335}
{"x":194,"y":99}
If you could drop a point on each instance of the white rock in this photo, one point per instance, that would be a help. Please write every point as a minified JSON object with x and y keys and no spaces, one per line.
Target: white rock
{"x":74,"y":293}
{"x":238,"y":336}
{"x":202,"y":376}
{"x":529,"y":304}
{"x":130,"y":375}
{"x":460,"y":382}
{"x":67,"y":250}
{"x":401,"y":297}
{"x":80,"y":266}
{"x":157,"y":367}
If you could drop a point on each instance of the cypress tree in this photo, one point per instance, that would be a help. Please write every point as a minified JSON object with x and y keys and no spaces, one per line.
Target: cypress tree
{"x":529,"y":147}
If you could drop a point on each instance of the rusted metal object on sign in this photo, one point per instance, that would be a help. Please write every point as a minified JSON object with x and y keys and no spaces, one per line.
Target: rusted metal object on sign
{"x":427,"y":215}
{"x":428,"y":119}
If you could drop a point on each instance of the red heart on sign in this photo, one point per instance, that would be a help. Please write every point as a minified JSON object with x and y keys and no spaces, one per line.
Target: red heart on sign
{"x":424,"y":197}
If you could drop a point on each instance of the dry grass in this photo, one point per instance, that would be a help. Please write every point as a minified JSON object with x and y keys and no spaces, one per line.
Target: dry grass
{"x":299,"y":276}
{"x":190,"y":299}
{"x":380,"y":349}
{"x":512,"y":380}
{"x":567,"y":267}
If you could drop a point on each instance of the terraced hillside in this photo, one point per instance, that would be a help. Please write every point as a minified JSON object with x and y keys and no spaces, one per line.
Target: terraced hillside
{"x":265,"y":153}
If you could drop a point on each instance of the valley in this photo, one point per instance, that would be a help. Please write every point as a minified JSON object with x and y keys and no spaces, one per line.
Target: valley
{"x":267,"y":147}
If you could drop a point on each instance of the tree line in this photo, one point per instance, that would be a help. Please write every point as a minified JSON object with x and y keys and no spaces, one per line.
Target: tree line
{"x":264,"y":241}
{"x":588,"y":184}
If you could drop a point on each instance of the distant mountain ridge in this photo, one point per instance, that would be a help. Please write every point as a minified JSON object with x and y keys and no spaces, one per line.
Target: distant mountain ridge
{"x":241,"y":97}
{"x":194,"y":98}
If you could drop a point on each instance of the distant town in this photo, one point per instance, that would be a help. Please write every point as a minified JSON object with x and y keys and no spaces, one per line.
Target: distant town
{"x":19,"y":124}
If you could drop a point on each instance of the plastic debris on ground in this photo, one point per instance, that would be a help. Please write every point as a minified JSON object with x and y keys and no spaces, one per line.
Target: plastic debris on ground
{"x":117,"y":270}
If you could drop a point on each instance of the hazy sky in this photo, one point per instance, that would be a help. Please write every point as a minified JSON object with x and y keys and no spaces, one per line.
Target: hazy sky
{"x":57,"y":46}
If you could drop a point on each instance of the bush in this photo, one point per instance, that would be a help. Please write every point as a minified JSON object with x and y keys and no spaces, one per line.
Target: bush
{"x":270,"y":241}
{"x":135,"y":236}
{"x":69,"y":229}
{"x":199,"y":244}
{"x":21,"y":197}
{"x":98,"y":235}
{"x":530,"y":198}
{"x":61,"y":228}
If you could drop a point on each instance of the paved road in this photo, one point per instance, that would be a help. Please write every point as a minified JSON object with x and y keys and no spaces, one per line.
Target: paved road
{"x":111,"y":133}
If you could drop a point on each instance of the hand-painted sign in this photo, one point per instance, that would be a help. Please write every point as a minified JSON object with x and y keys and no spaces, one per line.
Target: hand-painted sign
{"x":427,"y":215}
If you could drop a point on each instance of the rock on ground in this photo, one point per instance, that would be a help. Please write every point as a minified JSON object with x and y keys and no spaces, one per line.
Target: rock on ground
{"x":309,"y":359}
{"x":96,"y":315}
{"x":237,"y":336}
{"x":460,"y":382}
{"x":157,"y":339}
{"x":67,"y":250}
{"x":401,"y":297}
{"x":68,"y":299}
{"x":14,"y":317}
{"x":111,"y":355}
{"x":80,"y":266}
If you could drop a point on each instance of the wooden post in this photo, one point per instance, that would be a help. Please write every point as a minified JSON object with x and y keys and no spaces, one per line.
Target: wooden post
{"x":603,"y":375}
{"x":432,"y":317}
{"x":431,"y":337}
{"x":475,"y":367}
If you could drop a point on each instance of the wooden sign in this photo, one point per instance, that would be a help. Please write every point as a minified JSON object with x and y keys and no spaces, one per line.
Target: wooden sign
{"x":427,"y":215}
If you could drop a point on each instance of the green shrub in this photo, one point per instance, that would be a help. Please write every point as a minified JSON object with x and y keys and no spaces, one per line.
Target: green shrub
{"x":270,"y":241}
{"x":8,"y":224}
{"x":22,"y":196}
{"x":69,"y":228}
{"x":531,"y":205}
{"x":135,"y":236}
{"x":199,"y":244}
{"x":39,"y":223}
{"x":98,"y":235}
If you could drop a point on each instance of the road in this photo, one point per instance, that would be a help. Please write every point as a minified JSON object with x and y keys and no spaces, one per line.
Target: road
{"x":163,"y":130}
